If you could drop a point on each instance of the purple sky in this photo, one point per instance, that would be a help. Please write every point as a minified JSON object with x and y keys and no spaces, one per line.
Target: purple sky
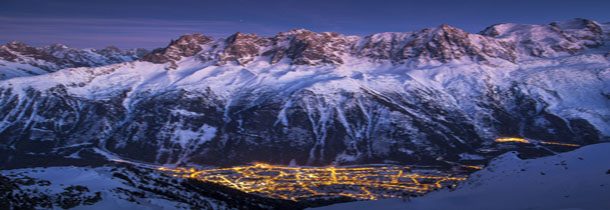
{"x":152,"y":23}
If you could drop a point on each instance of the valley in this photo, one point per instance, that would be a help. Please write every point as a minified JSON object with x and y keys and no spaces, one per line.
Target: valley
{"x":309,"y":183}
{"x":301,"y":118}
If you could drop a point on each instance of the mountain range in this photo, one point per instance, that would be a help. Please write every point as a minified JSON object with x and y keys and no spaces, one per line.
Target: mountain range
{"x":434,"y":96}
{"x":19,"y":59}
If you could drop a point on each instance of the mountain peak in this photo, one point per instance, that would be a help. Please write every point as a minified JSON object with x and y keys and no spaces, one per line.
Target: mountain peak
{"x":111,"y":49}
{"x":296,"y":31}
{"x":448,"y":28}
{"x":58,"y":46}
{"x":42,"y":60}
{"x":195,"y":38}
{"x":497,"y":29}
{"x":563,"y":37}
{"x":15,"y":42}
{"x":239,"y":36}
{"x":184,"y":46}
{"x":18,"y":49}
{"x":441,"y":44}
{"x":444,"y":30}
{"x":437,"y":89}
{"x":311,"y":48}
{"x":242,"y":48}
{"x":446,"y":43}
{"x":577,"y":23}
{"x":17,"y":45}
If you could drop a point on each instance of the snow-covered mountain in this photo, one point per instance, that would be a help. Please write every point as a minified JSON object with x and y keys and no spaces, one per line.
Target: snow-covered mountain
{"x":574,"y":180}
{"x":426,"y":97}
{"x":120,"y":187}
{"x":19,"y":59}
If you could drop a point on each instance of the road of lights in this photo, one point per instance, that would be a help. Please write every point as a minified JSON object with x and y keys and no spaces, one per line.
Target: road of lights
{"x":299,"y":183}
{"x":526,"y":141}
{"x":559,"y":144}
{"x":512,"y":139}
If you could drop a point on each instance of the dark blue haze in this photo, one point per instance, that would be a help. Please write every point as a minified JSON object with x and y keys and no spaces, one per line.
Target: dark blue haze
{"x":152,"y":23}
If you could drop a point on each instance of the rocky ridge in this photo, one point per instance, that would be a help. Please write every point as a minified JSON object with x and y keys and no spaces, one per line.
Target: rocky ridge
{"x":426,"y":97}
{"x":19,"y":59}
{"x":442,"y":44}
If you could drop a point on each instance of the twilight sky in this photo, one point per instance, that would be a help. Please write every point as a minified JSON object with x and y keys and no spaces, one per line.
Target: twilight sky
{"x":153,"y":23}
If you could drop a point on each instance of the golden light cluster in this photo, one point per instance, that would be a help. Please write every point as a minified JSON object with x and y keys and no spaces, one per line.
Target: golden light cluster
{"x":512,"y":139}
{"x":299,"y":183}
{"x":473,"y":167}
{"x":526,"y":141}
{"x":559,"y":144}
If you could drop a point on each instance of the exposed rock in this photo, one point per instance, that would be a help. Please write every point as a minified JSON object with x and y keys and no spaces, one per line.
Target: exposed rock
{"x":41,"y":60}
{"x":18,"y":48}
{"x":569,"y":37}
{"x":242,"y":48}
{"x":587,"y":32}
{"x":116,"y":55}
{"x":334,"y":99}
{"x":185,"y":46}
{"x":383,"y":46}
{"x":304,"y":47}
{"x":447,"y":43}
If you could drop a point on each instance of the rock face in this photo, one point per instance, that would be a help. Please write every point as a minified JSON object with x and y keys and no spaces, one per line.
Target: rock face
{"x":185,"y":46}
{"x":447,"y":43}
{"x":426,"y":97}
{"x":442,"y":44}
{"x":309,"y":48}
{"x":566,"y":37}
{"x":242,"y":48}
{"x":18,"y":59}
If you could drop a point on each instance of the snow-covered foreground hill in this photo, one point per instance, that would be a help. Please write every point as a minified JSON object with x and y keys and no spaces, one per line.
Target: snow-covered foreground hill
{"x":576,"y":180}
{"x":119,"y":186}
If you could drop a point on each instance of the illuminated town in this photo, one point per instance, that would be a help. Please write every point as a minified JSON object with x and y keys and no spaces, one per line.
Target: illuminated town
{"x":301,"y":183}
{"x":356,"y":182}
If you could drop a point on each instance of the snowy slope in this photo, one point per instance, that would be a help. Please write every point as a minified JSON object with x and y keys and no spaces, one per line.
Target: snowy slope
{"x":18,"y":59}
{"x":578,"y":180}
{"x":119,"y":187}
{"x":321,"y":98}
{"x":96,"y":180}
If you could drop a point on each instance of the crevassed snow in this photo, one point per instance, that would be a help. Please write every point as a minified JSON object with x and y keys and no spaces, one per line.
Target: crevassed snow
{"x":576,"y":180}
